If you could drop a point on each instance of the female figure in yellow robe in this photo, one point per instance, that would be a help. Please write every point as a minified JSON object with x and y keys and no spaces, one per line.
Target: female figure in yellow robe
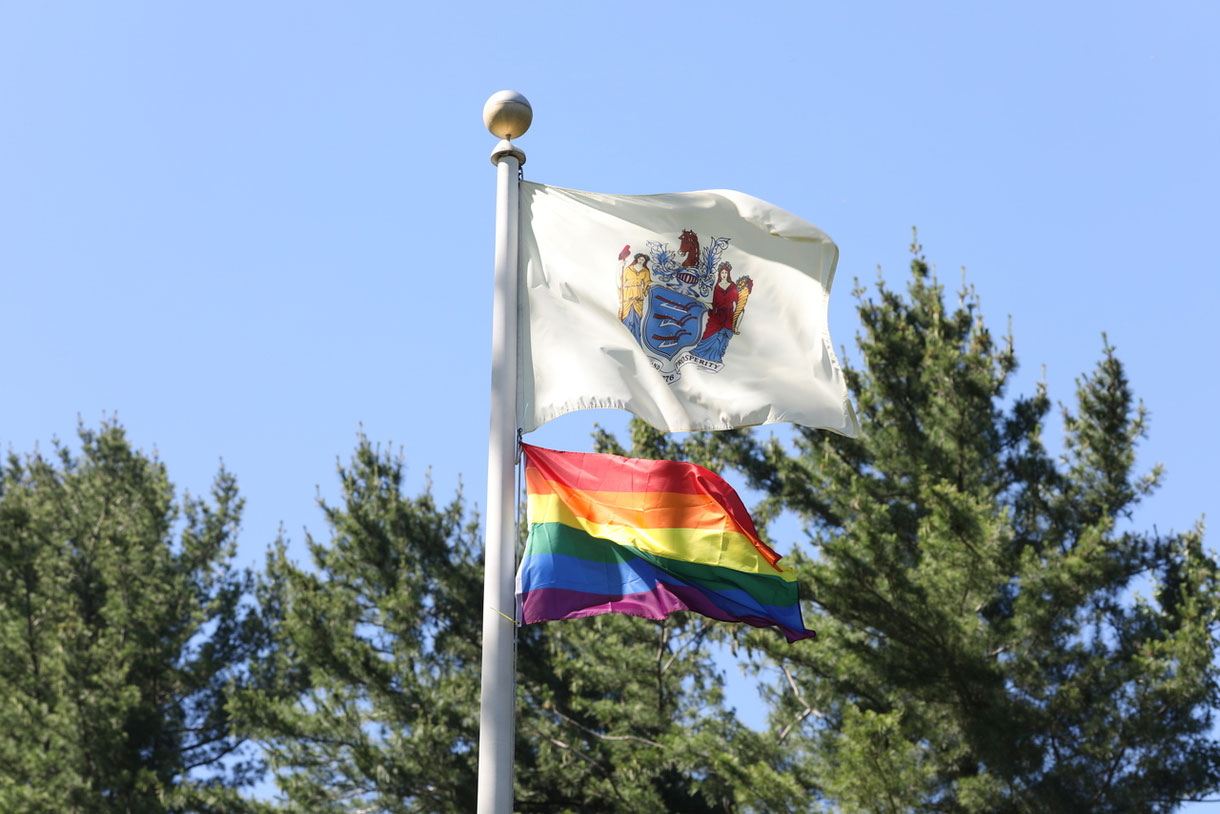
{"x":633,"y":286}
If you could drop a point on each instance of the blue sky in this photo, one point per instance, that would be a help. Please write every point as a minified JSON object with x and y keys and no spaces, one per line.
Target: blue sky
{"x":250,"y":230}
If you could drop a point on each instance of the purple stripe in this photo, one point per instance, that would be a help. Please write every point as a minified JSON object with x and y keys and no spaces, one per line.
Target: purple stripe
{"x":551,"y":604}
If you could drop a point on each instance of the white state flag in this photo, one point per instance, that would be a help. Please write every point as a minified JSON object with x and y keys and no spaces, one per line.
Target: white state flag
{"x":694,"y":311}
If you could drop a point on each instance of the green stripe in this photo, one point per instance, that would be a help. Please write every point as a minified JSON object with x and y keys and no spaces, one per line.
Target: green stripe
{"x":556,"y":538}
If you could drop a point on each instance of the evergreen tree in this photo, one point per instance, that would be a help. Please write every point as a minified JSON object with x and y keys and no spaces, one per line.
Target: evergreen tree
{"x":620,"y":714}
{"x":123,"y":630}
{"x":377,"y":670}
{"x":994,"y":635}
{"x":372,"y":699}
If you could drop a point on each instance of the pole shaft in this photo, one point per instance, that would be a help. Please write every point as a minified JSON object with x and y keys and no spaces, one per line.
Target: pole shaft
{"x":498,"y":695}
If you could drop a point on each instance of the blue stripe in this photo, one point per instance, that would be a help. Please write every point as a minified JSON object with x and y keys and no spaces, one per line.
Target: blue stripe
{"x":546,"y":570}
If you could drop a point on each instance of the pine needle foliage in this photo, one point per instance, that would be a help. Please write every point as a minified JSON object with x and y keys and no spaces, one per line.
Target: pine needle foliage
{"x":373,"y":699}
{"x":124,"y":631}
{"x":373,"y":687}
{"x":995,"y":634}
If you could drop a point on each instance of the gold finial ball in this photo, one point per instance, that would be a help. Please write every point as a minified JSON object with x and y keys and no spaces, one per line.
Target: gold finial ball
{"x":507,"y":114}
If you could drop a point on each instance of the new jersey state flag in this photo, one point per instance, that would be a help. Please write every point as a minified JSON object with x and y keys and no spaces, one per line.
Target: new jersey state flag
{"x":694,"y":311}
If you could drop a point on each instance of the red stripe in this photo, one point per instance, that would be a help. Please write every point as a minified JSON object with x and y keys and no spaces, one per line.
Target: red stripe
{"x":594,"y":472}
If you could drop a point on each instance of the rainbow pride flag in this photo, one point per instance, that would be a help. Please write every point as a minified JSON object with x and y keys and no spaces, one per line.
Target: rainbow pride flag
{"x":609,"y":534}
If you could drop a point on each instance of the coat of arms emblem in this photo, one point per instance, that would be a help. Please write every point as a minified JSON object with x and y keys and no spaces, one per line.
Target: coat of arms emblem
{"x":682,"y":310}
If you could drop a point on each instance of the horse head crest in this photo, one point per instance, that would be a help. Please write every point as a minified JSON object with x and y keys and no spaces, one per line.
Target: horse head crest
{"x":689,"y":246}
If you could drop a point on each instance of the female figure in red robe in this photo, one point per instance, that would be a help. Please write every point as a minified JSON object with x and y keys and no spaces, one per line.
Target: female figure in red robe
{"x":719,"y":328}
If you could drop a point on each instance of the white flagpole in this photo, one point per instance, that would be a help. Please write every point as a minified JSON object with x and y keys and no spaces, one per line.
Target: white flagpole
{"x":506,"y":114}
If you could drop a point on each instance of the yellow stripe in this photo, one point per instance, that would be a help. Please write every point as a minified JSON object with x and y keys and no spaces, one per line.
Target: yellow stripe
{"x":725,"y":547}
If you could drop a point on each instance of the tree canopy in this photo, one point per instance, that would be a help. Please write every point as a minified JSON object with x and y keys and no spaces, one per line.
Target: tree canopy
{"x":124,"y":629}
{"x":996,"y":633}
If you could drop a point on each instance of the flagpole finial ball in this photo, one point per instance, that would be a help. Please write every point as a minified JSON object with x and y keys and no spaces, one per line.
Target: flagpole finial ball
{"x":507,"y":114}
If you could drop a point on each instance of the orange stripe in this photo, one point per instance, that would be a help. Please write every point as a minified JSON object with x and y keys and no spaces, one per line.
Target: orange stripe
{"x":614,"y":473}
{"x":660,"y":510}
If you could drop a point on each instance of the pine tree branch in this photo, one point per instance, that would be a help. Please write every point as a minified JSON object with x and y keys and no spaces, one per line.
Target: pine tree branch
{"x":694,"y":641}
{"x":809,"y":710}
{"x":595,"y":734}
{"x":566,"y":746}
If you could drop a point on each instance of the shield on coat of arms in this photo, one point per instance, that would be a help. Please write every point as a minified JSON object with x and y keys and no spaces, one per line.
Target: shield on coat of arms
{"x":673,"y":322}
